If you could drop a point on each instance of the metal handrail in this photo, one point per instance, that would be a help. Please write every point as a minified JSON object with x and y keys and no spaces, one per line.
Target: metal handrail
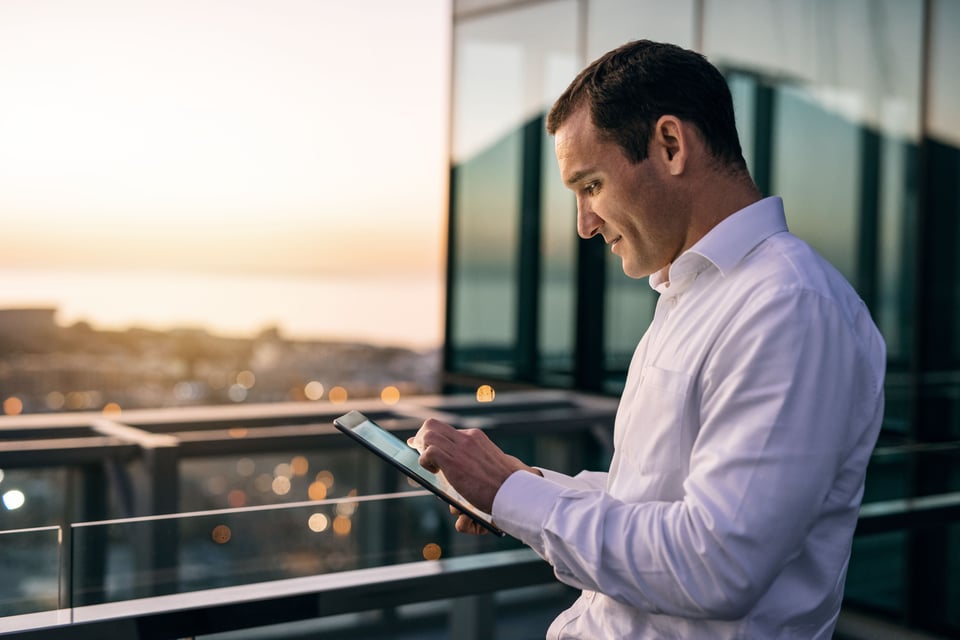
{"x":266,"y":603}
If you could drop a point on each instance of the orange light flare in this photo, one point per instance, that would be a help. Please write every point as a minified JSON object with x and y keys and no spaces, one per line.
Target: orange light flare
{"x":112,"y":409}
{"x":390,"y":395}
{"x":13,"y":406}
{"x":221,"y":534}
{"x":338,"y":395}
{"x":485,"y":393}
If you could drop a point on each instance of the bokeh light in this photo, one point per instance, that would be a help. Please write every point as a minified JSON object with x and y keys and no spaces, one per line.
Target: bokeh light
{"x":313,"y":390}
{"x":318,"y":523}
{"x":55,"y":400}
{"x":237,"y":498}
{"x":221,"y":534}
{"x":246,"y":379}
{"x":431,"y":551}
{"x":188,"y":391}
{"x":246,"y":467}
{"x":237,"y":393}
{"x":347,"y":508}
{"x":78,"y":400}
{"x":390,"y":395}
{"x":299,"y":465}
{"x":263,"y":483}
{"x":342,"y":525}
{"x":317,"y":491}
{"x":326,"y":478}
{"x":13,"y":406}
{"x":14,"y":499}
{"x":338,"y":395}
{"x":237,"y":432}
{"x":216,"y":485}
{"x":112,"y":409}
{"x":281,"y":485}
{"x":485,"y":393}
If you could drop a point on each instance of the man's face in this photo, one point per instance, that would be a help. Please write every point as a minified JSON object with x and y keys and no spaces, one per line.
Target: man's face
{"x":629,"y":204}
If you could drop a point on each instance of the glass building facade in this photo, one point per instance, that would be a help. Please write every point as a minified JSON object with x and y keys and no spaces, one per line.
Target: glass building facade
{"x":849,"y":110}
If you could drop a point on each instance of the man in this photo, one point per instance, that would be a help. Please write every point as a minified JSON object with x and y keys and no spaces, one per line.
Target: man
{"x":750,"y":408}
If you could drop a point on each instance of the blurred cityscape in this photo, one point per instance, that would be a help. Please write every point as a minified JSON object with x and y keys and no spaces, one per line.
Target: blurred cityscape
{"x":45,"y":367}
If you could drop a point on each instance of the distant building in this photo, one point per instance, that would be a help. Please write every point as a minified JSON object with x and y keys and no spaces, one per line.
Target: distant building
{"x":27,"y":325}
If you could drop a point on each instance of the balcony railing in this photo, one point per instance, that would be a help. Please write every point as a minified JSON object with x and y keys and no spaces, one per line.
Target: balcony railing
{"x":179,"y":522}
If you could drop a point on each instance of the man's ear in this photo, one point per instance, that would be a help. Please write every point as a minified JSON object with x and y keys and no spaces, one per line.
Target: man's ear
{"x":671,"y":143}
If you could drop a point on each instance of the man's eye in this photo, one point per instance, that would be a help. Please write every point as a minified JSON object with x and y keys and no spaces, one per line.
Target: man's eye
{"x":591,"y":188}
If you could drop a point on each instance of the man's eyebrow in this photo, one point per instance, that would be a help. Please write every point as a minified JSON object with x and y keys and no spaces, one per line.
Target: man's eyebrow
{"x":577,"y":177}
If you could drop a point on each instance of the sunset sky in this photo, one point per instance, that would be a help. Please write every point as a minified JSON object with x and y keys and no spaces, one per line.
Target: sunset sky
{"x":298,"y":136}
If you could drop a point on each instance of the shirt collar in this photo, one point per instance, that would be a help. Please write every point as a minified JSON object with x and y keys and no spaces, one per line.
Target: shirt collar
{"x":726,"y":244}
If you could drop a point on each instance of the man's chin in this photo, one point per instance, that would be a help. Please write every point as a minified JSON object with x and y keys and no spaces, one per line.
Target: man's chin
{"x":632,"y":271}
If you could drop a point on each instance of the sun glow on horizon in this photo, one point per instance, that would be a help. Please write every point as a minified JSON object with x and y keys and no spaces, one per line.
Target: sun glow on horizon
{"x":304,"y":137}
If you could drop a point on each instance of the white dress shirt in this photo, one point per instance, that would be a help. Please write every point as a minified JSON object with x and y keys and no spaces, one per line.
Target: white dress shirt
{"x":749,"y":413}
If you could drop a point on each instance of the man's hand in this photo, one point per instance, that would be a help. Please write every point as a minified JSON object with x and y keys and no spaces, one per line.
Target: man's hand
{"x":474,"y":465}
{"x":466,"y":524}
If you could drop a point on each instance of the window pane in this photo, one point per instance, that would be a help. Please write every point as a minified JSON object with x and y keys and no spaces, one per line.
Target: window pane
{"x":558,"y":289}
{"x":943,"y":209}
{"x":611,"y":23}
{"x":629,"y":310}
{"x":844,"y":120}
{"x":629,"y":303}
{"x":508,"y":68}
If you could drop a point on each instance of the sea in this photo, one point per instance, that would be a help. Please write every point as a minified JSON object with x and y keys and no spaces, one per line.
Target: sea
{"x":390,"y":309}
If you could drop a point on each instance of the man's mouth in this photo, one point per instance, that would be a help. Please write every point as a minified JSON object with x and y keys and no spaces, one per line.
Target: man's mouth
{"x":613,"y":242}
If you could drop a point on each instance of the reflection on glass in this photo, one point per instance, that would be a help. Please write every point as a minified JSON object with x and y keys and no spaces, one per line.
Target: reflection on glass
{"x":943,"y":147}
{"x":822,"y":197}
{"x":841,"y":120}
{"x":31,"y":571}
{"x":13,"y":499}
{"x":136,"y":558}
{"x":508,"y":69}
{"x":878,"y":585}
{"x":31,"y":498}
{"x":611,"y":23}
{"x":629,"y":310}
{"x":274,"y":478}
{"x":558,"y":283}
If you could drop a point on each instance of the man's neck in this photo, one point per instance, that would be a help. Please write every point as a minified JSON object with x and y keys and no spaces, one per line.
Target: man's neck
{"x":721,"y":197}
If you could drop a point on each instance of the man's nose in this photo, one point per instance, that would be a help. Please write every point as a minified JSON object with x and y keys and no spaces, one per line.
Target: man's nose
{"x":588,"y":222}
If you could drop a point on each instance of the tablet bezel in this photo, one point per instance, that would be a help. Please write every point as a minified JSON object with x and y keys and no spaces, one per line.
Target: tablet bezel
{"x":353,"y":419}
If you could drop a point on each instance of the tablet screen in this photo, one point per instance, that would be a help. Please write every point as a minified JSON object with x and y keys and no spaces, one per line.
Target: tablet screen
{"x":407,"y":459}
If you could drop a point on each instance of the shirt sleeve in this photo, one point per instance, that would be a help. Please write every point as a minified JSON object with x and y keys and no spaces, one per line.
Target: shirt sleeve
{"x":584,"y":480}
{"x":784,"y":396}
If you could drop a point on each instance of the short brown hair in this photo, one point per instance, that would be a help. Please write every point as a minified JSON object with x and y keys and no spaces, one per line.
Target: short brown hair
{"x":629,"y":88}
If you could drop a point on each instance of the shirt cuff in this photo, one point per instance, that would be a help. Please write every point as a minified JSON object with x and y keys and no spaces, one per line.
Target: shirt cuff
{"x":561,"y":479}
{"x":522,"y":506}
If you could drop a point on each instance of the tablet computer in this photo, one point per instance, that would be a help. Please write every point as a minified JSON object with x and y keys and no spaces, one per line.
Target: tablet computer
{"x":407,"y":459}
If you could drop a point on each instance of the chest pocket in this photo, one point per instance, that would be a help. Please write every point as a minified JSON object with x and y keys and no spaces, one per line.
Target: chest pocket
{"x":659,"y":436}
